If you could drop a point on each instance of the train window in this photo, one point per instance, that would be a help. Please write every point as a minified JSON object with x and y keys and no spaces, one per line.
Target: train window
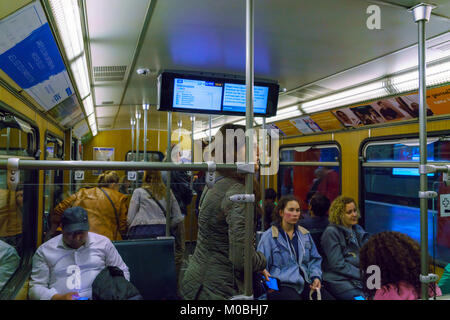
{"x":152,"y":156}
{"x":127,"y":187}
{"x":16,"y":136}
{"x":17,"y":203}
{"x":53,"y":180}
{"x":307,"y":169}
{"x":390,"y":191}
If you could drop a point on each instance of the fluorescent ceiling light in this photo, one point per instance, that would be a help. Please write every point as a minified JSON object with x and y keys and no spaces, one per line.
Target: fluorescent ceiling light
{"x":67,"y":16}
{"x":285,"y":113}
{"x":79,"y":71}
{"x":88,"y":105}
{"x":68,"y":21}
{"x":409,"y":81}
{"x":94,"y":132}
{"x":91,"y":120}
{"x":436,"y":74}
{"x":361,"y":93}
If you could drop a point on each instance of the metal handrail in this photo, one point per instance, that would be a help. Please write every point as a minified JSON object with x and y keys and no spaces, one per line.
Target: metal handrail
{"x":114,"y":165}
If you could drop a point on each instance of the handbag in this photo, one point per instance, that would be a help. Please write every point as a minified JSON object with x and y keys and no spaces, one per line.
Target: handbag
{"x":115,"y":212}
{"x":311,"y":292}
{"x":172,"y":231}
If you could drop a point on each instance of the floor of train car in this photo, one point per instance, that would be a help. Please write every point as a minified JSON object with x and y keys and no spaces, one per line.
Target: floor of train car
{"x":381,"y":216}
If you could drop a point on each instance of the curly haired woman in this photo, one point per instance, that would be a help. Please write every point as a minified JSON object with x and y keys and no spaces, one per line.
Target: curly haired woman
{"x":398,"y":257}
{"x":340,"y":243}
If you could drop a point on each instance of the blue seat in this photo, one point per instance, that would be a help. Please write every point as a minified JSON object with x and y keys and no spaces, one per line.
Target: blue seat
{"x":152,"y":266}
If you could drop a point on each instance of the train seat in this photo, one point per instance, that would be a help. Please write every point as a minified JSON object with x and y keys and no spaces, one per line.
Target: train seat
{"x":152,"y":266}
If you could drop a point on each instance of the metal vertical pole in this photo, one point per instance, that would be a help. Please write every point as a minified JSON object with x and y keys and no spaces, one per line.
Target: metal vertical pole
{"x":422,"y":13}
{"x":133,"y":122}
{"x":263,"y":177}
{"x":249,"y":208}
{"x":145,"y":107}
{"x":192,"y":178}
{"x":168,"y":172}
{"x":138,"y":119}
{"x":210,"y":125}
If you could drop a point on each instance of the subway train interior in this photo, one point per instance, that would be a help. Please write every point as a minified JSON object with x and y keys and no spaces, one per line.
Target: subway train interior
{"x":93,"y":86}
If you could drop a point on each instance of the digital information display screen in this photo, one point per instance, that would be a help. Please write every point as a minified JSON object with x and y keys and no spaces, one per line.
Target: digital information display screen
{"x":234,"y":98}
{"x":184,"y":92}
{"x":195,"y":94}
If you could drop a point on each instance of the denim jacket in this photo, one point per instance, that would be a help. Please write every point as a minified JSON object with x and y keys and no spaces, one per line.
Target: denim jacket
{"x":281,"y":262}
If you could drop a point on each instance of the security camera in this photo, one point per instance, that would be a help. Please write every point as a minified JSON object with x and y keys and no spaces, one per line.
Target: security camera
{"x":143,"y":71}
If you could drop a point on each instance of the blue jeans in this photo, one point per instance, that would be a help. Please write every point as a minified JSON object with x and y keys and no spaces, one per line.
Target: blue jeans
{"x":147,"y":231}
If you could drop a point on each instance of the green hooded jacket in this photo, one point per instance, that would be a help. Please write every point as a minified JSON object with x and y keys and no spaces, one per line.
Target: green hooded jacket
{"x":216,"y":269}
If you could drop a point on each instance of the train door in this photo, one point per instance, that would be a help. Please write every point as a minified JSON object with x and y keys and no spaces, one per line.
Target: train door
{"x":307,"y":169}
{"x":18,"y":202}
{"x":53,"y":179}
{"x":390,"y":186}
{"x":132,"y":181}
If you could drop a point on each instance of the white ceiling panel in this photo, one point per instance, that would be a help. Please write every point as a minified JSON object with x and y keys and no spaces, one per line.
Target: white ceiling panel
{"x":106,"y":111}
{"x":114,"y":28}
{"x":108,"y":94}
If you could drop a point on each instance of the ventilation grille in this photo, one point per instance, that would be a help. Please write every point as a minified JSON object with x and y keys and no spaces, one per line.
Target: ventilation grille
{"x":310,"y":92}
{"x":109,"y":73}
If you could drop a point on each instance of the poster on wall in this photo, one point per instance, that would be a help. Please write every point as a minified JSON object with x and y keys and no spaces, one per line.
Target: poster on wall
{"x":68,"y":112}
{"x":102,"y":154}
{"x":381,"y":111}
{"x":326,"y":121}
{"x":347,"y":117}
{"x":438,"y":99}
{"x":29,"y":56}
{"x":306,"y":125}
{"x":273,"y":126}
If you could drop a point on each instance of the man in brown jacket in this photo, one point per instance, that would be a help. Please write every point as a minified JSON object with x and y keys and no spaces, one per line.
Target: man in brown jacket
{"x":106,"y":207}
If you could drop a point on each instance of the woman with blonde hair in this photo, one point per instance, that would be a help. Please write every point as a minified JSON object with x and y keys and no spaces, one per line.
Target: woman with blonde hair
{"x":341,"y":242}
{"x":148,"y":208}
{"x":106,"y":207}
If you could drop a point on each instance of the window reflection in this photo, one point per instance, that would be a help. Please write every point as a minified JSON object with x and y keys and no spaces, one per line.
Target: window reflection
{"x":305,"y":181}
{"x":390,"y":193}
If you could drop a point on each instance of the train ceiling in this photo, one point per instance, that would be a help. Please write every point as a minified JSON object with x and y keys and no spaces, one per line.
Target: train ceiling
{"x":310,"y":47}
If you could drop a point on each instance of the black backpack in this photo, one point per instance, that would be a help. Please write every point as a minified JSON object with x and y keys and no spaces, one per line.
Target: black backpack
{"x":110,"y":284}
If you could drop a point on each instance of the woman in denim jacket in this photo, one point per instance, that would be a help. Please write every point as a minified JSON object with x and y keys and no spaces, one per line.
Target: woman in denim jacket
{"x":341,"y":242}
{"x":291,"y":254}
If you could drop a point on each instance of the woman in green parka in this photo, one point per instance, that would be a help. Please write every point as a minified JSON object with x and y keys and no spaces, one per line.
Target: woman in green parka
{"x":216,"y":269}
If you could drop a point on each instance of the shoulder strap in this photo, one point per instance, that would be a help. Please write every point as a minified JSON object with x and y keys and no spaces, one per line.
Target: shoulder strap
{"x":156,"y":200}
{"x":115,"y":211}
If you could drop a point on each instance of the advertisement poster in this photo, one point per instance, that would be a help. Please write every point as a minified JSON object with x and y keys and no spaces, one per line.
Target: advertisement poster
{"x":326,"y":121}
{"x":80,"y":129}
{"x":29,"y":56}
{"x":68,"y":112}
{"x":275,"y":127}
{"x":102,"y":154}
{"x":306,"y":125}
{"x":386,"y":110}
{"x":438,"y":99}
{"x":347,"y":117}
